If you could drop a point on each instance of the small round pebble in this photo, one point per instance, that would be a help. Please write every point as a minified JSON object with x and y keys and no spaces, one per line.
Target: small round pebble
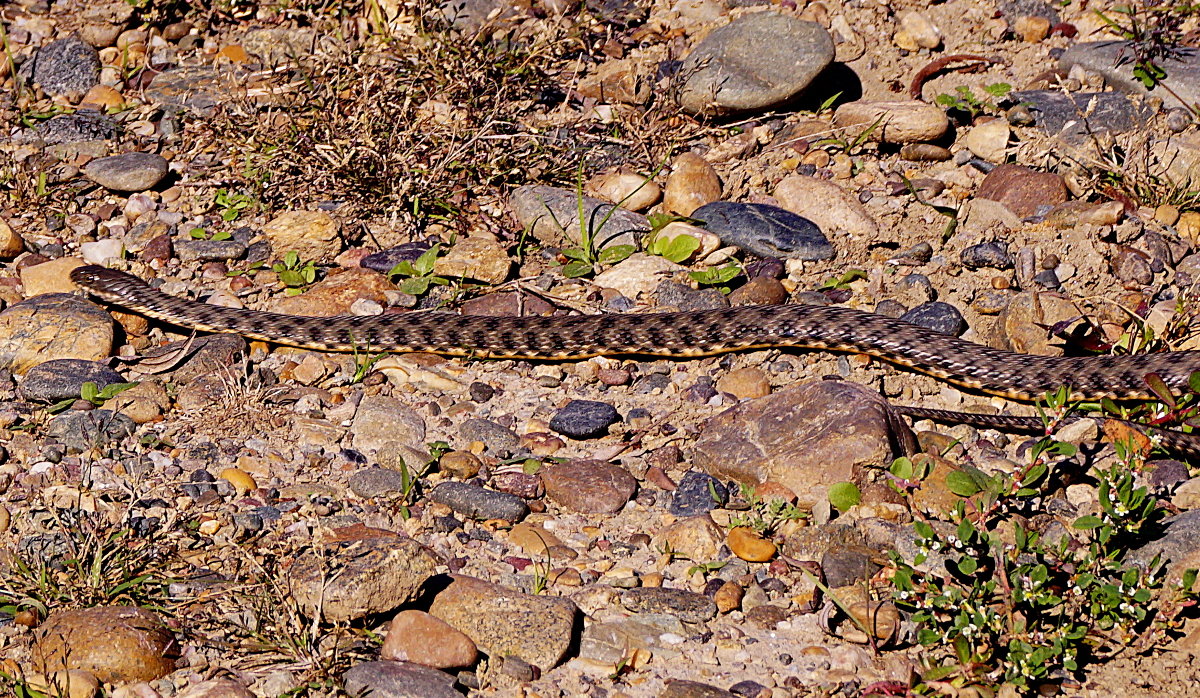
{"x":584,"y":419}
{"x":698,"y":493}
{"x":992,"y":255}
{"x":937,"y":316}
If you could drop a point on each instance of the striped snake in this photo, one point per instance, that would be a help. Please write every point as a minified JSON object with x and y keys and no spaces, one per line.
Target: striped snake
{"x":700,"y":333}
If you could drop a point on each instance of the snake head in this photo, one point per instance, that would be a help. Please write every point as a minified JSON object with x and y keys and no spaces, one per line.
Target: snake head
{"x":109,"y":284}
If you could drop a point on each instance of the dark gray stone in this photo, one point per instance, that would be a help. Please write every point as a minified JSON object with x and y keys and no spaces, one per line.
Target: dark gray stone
{"x":698,"y":493}
{"x":377,"y":482}
{"x":937,"y":316}
{"x":1015,"y":9}
{"x":66,"y":66}
{"x":687,"y":606}
{"x":384,"y":260}
{"x":80,"y":431}
{"x":478,"y":503}
{"x":756,"y":62}
{"x":1115,"y":61}
{"x":81,"y":126}
{"x":992,"y":255}
{"x":61,"y":379}
{"x":1075,"y":118}
{"x":127,"y":171}
{"x":765,"y":230}
{"x":499,"y":439}
{"x":189,"y":250}
{"x":584,"y":419}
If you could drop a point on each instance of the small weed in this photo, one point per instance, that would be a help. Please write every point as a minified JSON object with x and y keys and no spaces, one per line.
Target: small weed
{"x":418,"y":275}
{"x":1017,"y":610}
{"x":837,"y":283}
{"x":410,"y":478}
{"x":1152,"y":29}
{"x":363,"y":363}
{"x":295,"y":273}
{"x":232,"y":206}
{"x":706,"y":568}
{"x":964,"y":100}
{"x":765,"y":516}
{"x":678,"y":249}
{"x":94,"y":394}
{"x":203,"y":234}
{"x":717,"y":276}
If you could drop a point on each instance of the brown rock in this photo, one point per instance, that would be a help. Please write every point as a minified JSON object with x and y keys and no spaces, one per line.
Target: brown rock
{"x":1022,"y":190}
{"x":1032,"y":29}
{"x":748,"y":545}
{"x":460,"y":464}
{"x":11,"y":244}
{"x":116,"y":644}
{"x":728,"y":597}
{"x":742,"y":383}
{"x":503,"y":621}
{"x":75,"y":683}
{"x":761,"y":290}
{"x":897,"y":122}
{"x":335,"y":294}
{"x":50,"y":277}
{"x":806,"y":438}
{"x":1025,"y":319}
{"x":589,"y":486}
{"x":476,"y":258}
{"x":314,"y":235}
{"x":377,"y":571}
{"x":692,"y":184}
{"x":417,"y":637}
{"x":627,"y":189}
{"x":533,"y":539}
{"x":53,"y":326}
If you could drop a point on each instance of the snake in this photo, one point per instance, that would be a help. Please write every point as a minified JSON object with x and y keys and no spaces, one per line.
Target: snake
{"x":1008,"y":374}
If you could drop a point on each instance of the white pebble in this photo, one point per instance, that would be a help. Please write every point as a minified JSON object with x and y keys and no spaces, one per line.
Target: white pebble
{"x":101,"y":250}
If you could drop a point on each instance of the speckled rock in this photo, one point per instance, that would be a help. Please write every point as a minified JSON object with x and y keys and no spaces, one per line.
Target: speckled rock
{"x":60,"y":379}
{"x":805,"y":437}
{"x":54,"y":326}
{"x":765,"y":230}
{"x":589,"y":486}
{"x":584,"y":419}
{"x":898,"y":122}
{"x":314,"y":235}
{"x":479,"y":503}
{"x":552,"y":216}
{"x":386,"y":679}
{"x":504,"y":621}
{"x":1024,"y":191}
{"x":688,"y":606}
{"x":378,"y":571}
{"x":127,"y":171}
{"x":64,"y":67}
{"x":115,"y":643}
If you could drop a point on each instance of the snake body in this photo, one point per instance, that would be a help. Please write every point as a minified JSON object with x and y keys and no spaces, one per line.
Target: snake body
{"x":689,"y":334}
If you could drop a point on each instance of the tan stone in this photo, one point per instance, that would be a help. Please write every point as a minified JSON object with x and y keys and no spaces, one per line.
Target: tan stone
{"x":476,"y":258}
{"x":744,"y":383}
{"x":417,"y":637}
{"x":114,"y":643}
{"x":335,"y":294}
{"x":627,"y":189}
{"x":894,"y":122}
{"x":50,"y":277}
{"x":692,"y":183}
{"x":11,"y":244}
{"x":748,"y":545}
{"x":827,"y":204}
{"x":533,"y":539}
{"x":696,"y":538}
{"x":314,"y":235}
{"x":217,"y":688}
{"x":240,"y":479}
{"x":75,"y":683}
{"x":54,"y":326}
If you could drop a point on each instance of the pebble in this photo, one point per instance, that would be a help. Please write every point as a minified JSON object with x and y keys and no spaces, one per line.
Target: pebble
{"x":552,"y":215}
{"x":728,"y":597}
{"x":745,"y":383}
{"x":687,"y":606}
{"x":629,"y":190}
{"x":460,"y":464}
{"x":917,"y":32}
{"x":369,"y":483}
{"x":697,"y":493}
{"x":76,"y":128}
{"x":989,"y":140}
{"x":385,"y":260}
{"x":127,"y":171}
{"x":805,"y":437}
{"x":377,"y":571}
{"x":898,"y":122}
{"x":417,"y":637}
{"x":313,"y":235}
{"x":584,"y":419}
{"x":685,"y":688}
{"x":692,"y":184}
{"x":477,"y":257}
{"x":708,"y":242}
{"x":989,"y":255}
{"x":503,"y":621}
{"x":619,"y":80}
{"x":500,"y":441}
{"x":765,"y":230}
{"x":760,"y":290}
{"x":65,"y":67}
{"x":390,"y":679}
{"x":1032,"y":29}
{"x":101,"y":251}
{"x":937,"y":316}
{"x":696,"y":537}
{"x":75,"y":683}
{"x":390,"y":430}
{"x":1022,"y":190}
{"x":61,"y":379}
{"x":749,"y":545}
{"x":189,"y":250}
{"x":756,"y":62}
{"x":533,"y":539}
{"x":826,"y":204}
{"x":216,"y":688}
{"x":476,"y":502}
{"x":588,"y":486}
{"x":116,"y":644}
{"x":638,"y":275}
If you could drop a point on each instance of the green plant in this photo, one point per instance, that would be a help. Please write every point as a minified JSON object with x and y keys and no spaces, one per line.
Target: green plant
{"x":1017,"y":610}
{"x":706,"y":568}
{"x":418,"y":275}
{"x":410,"y":478}
{"x":717,"y":276}
{"x":94,"y":394}
{"x":295,"y":273}
{"x":591,"y":252}
{"x":202,"y":234}
{"x":1153,"y":29}
{"x":678,"y":249}
{"x":835,"y":283}
{"x":232,"y":205}
{"x":363,"y":363}
{"x":765,"y":515}
{"x":965,"y":100}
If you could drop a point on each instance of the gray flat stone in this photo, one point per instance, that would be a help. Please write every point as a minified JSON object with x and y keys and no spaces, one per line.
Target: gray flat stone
{"x":1074,"y":118}
{"x":756,"y":62}
{"x":1114,"y":61}
{"x":398,"y":680}
{"x":127,"y":171}
{"x":765,"y":230}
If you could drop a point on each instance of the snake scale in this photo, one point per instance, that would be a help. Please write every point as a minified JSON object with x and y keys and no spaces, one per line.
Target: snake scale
{"x":686,"y":334}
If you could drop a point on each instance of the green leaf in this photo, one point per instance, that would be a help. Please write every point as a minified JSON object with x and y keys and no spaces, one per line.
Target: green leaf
{"x":415,"y":286}
{"x":576,"y":269}
{"x":1159,"y":387}
{"x":196,"y":233}
{"x":403,"y":268}
{"x":968,"y":565}
{"x":716,"y":275}
{"x":229,"y":214}
{"x":114,"y":389}
{"x":1088,"y":522}
{"x":576,"y":253}
{"x":291,"y":278}
{"x":424,"y":263}
{"x":902,"y":468}
{"x":222,"y":235}
{"x":843,"y":495}
{"x":291,"y":259}
{"x":616,"y":253}
{"x":961,"y":483}
{"x":88,"y":391}
{"x":998,"y":89}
